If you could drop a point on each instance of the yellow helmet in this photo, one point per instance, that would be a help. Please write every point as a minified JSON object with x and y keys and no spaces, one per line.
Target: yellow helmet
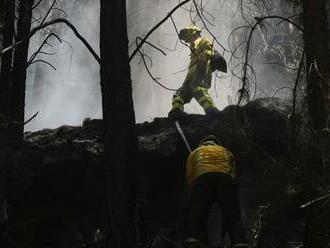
{"x":186,"y":33}
{"x":208,"y":139}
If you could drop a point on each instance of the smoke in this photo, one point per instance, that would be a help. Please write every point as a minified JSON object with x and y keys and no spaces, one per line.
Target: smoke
{"x":72,"y":92}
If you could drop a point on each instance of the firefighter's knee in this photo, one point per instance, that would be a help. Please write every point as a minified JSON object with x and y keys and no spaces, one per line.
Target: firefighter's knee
{"x":203,"y":98}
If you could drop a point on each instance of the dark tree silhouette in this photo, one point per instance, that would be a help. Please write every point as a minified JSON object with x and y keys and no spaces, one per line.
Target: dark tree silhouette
{"x":2,"y":13}
{"x":119,"y":124}
{"x":12,"y":95}
{"x":5,"y":78}
{"x":318,"y":59}
{"x":17,"y":91}
{"x":5,"y":74}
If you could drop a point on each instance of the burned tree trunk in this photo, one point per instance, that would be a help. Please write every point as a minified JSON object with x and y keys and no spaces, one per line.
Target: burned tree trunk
{"x":318,"y":59}
{"x":12,"y":96}
{"x":5,"y":80}
{"x":6,"y":60}
{"x":119,"y":119}
{"x":18,"y":84}
{"x":2,"y":14}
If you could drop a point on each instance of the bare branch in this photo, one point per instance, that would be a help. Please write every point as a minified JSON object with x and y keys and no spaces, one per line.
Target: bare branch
{"x":34,"y":116}
{"x":247,"y":52}
{"x":149,"y":72}
{"x":37,"y":4}
{"x":202,"y":11}
{"x":152,"y":45}
{"x":43,"y":61}
{"x":177,"y":32}
{"x":314,"y":201}
{"x":48,"y":12}
{"x":52,"y":22}
{"x":155,"y":27}
{"x":207,"y":29}
{"x":41,"y":46}
{"x":46,"y":53}
{"x":62,"y":11}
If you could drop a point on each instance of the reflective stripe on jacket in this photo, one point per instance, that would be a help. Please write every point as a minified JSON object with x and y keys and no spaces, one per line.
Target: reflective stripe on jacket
{"x":210,"y":158}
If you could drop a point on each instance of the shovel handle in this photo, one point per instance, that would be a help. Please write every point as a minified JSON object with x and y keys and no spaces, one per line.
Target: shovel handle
{"x":178,"y":128}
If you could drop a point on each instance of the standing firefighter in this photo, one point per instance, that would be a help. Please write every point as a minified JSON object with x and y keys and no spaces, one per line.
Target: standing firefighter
{"x":211,"y":176}
{"x":203,"y":61}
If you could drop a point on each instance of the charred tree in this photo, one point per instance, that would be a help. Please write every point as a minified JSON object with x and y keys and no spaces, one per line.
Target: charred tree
{"x":12,"y":96}
{"x":5,"y":79}
{"x":6,"y":60}
{"x":2,"y":14}
{"x":318,"y":59}
{"x":18,"y":84}
{"x":120,"y":144}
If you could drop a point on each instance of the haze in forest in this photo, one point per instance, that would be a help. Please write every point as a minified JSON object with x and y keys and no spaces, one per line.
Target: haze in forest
{"x":71,"y":93}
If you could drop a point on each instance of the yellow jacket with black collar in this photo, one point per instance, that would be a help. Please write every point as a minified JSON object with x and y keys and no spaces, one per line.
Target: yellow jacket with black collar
{"x":209,"y":158}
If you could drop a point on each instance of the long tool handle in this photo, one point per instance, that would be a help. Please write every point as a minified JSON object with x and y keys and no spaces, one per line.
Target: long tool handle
{"x":178,"y":128}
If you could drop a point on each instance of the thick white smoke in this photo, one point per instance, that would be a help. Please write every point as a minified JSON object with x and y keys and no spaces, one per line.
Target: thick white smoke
{"x":72,"y":92}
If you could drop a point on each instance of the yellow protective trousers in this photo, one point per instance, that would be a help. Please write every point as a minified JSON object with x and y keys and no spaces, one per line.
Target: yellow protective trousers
{"x":185,"y":93}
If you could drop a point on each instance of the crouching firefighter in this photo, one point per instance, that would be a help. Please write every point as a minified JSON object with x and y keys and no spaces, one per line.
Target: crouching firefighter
{"x":210,"y":172}
{"x":204,"y":60}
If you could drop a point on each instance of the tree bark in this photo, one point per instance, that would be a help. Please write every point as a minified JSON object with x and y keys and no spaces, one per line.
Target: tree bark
{"x":18,"y":85}
{"x":6,"y":61}
{"x":317,"y":59}
{"x":120,"y":144}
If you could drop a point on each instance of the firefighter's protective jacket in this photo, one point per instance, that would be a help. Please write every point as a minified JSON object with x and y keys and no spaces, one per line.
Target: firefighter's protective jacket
{"x":210,"y":158}
{"x":200,"y":70}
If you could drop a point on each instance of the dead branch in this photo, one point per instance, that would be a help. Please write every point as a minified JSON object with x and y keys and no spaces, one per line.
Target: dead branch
{"x":247,"y":52}
{"x":41,"y":46}
{"x":202,"y":11}
{"x":62,"y":11}
{"x":207,"y":29}
{"x":281,"y":89}
{"x":34,"y":116}
{"x":43,"y":61}
{"x":37,"y":4}
{"x":177,"y":32}
{"x":282,"y":65}
{"x":48,"y":12}
{"x":259,"y":224}
{"x":163,"y":46}
{"x":46,"y":53}
{"x":154,"y":28}
{"x":152,"y":45}
{"x":314,"y":201}
{"x":148,"y":57}
{"x":149,"y":72}
{"x":49,"y":23}
{"x":317,"y":69}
